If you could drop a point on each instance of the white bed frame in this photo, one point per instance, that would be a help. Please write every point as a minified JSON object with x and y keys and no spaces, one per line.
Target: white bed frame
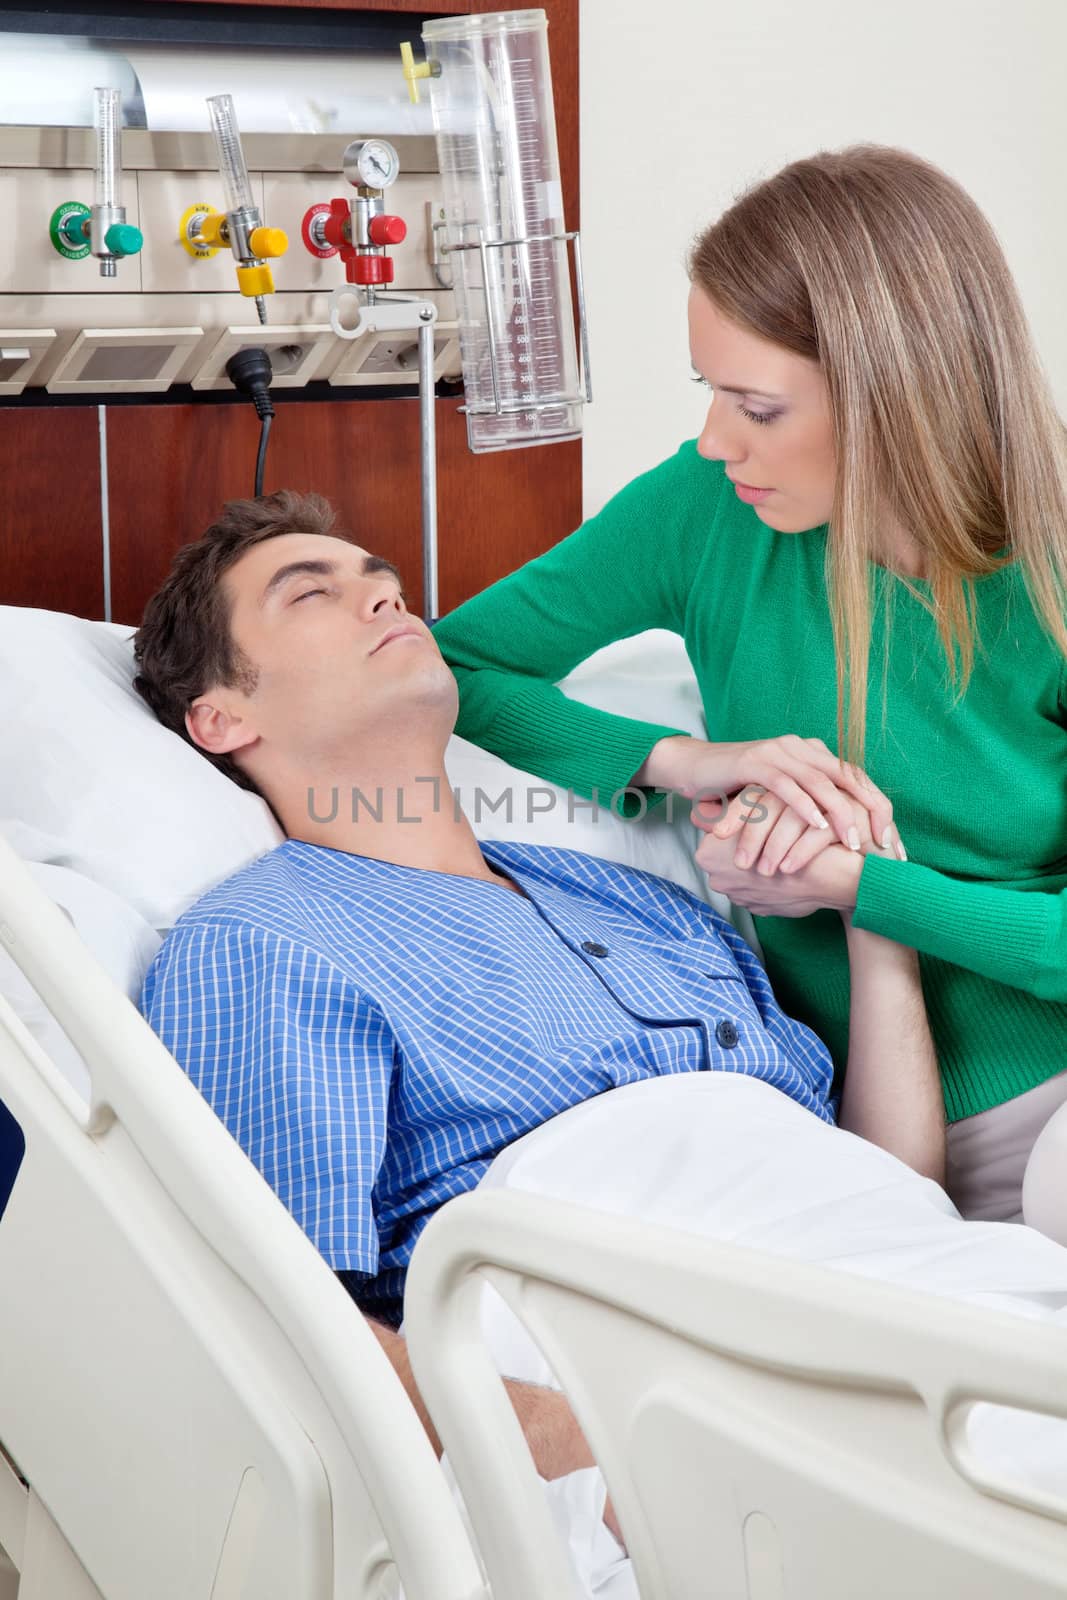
{"x":191,"y":1407}
{"x":767,"y":1428}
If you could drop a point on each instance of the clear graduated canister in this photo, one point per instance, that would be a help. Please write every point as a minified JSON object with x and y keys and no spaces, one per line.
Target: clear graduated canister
{"x":491,"y":96}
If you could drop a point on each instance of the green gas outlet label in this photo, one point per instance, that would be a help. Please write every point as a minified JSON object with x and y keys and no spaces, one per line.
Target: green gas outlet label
{"x":59,"y":230}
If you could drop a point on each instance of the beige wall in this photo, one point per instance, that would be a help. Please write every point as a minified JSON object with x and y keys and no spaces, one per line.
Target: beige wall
{"x":687,"y":101}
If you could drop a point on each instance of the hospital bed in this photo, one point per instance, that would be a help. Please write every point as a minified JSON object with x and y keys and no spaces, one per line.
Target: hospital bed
{"x":189,"y":1403}
{"x":767,"y":1429}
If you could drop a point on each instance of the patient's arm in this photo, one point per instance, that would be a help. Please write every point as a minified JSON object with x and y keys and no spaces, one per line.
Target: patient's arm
{"x":892,"y":1094}
{"x":556,"y":1442}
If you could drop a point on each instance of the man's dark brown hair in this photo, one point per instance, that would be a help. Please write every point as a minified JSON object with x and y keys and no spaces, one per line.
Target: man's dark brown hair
{"x":184,"y":645}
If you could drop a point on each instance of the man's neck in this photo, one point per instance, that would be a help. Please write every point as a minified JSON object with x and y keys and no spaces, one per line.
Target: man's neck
{"x":411,"y":819}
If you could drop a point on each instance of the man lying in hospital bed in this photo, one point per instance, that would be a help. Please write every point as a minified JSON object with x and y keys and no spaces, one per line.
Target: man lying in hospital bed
{"x":482,"y":989}
{"x":115,"y":801}
{"x":382,"y":1005}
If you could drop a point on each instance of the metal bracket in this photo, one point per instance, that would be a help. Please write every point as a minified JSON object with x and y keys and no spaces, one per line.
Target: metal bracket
{"x":385,"y":316}
{"x":437,"y":225}
{"x":500,"y":408}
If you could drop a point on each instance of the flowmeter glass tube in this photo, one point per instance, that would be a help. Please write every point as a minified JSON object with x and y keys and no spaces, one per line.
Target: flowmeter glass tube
{"x":106,"y":114}
{"x":491,"y":96}
{"x":231,"y":157}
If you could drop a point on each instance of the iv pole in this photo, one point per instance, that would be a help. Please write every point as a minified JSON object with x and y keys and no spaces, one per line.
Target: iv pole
{"x":428,"y":458}
{"x":396,"y":315}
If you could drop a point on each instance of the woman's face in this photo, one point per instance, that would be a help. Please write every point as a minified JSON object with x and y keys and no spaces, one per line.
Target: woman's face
{"x":769,"y":419}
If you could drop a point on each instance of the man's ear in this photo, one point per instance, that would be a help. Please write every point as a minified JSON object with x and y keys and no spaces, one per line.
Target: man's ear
{"x":217,"y":731}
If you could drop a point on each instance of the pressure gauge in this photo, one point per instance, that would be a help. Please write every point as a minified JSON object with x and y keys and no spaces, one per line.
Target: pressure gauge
{"x":371,"y":163}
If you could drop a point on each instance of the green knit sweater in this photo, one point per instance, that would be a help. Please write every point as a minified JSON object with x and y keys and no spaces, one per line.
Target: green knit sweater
{"x":979,"y":788}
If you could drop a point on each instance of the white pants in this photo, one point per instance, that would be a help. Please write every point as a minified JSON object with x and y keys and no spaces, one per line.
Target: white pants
{"x":988,"y":1156}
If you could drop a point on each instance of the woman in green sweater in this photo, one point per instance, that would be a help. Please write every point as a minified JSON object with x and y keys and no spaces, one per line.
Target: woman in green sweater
{"x":866,"y":554}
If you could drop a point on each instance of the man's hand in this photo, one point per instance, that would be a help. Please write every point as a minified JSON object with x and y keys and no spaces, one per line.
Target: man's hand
{"x":830,"y":882}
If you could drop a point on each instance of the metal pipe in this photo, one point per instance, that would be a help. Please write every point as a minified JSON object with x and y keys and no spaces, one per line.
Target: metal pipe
{"x":490,"y":323}
{"x":428,"y":450}
{"x":586,"y":378}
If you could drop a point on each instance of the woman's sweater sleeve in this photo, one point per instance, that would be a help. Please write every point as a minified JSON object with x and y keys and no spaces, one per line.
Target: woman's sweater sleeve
{"x":1014,"y":936}
{"x":625,"y":570}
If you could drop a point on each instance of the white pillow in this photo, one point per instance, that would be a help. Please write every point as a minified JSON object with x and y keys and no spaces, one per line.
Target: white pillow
{"x":97,"y":785}
{"x":118,"y":797}
{"x":648,"y":676}
{"x":119,"y":938}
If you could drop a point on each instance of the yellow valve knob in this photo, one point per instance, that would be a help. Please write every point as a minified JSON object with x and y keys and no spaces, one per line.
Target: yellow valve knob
{"x":412,"y":72}
{"x":211,"y":229}
{"x":254,"y":281}
{"x":267,"y":242}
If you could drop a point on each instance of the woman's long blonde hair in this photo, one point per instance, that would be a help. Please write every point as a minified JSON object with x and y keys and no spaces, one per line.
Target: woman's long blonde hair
{"x":880,"y":267}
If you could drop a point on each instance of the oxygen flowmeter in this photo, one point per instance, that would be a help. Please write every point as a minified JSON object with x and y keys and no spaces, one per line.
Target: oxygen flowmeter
{"x":101,"y":229}
{"x":240,"y":226}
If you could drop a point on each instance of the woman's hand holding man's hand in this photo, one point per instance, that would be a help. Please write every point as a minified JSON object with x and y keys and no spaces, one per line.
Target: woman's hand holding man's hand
{"x":772,"y":838}
{"x":793,"y":801}
{"x":824,"y":792}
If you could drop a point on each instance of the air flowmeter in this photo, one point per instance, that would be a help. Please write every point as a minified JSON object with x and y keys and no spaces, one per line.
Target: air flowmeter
{"x":240,"y":226}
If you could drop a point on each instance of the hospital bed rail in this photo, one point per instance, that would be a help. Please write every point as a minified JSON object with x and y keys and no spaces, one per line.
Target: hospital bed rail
{"x":191,"y":1407}
{"x":767,"y":1427}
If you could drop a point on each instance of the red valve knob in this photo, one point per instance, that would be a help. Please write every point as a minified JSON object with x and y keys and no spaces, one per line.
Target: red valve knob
{"x":369,"y":269}
{"x":384,"y":230}
{"x":335,"y":228}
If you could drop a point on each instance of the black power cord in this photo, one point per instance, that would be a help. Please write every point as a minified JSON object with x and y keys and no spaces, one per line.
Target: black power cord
{"x":250,"y":373}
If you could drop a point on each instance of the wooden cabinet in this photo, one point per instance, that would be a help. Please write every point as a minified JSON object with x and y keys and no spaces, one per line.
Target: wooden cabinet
{"x":51,"y":534}
{"x":171,"y":467}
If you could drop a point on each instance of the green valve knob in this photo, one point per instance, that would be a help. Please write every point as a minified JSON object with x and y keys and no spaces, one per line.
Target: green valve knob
{"x":123,"y":239}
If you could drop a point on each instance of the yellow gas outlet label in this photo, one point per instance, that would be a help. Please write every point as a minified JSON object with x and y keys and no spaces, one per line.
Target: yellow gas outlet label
{"x":190,"y":216}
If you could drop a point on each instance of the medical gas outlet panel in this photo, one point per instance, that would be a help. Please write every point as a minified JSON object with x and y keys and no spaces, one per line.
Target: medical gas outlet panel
{"x":132,"y":262}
